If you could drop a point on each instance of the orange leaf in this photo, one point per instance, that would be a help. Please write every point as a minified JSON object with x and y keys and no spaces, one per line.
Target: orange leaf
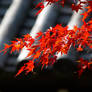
{"x":37,"y":55}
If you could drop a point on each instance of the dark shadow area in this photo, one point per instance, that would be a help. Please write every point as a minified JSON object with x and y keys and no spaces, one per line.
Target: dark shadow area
{"x":61,"y":76}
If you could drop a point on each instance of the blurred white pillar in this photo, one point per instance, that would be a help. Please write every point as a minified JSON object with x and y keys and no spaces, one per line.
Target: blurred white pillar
{"x":75,"y":20}
{"x":10,"y":23}
{"x":44,"y":20}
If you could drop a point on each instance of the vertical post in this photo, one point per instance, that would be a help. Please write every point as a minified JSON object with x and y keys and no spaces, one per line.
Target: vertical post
{"x":75,"y":20}
{"x":11,"y":22}
{"x":45,"y":19}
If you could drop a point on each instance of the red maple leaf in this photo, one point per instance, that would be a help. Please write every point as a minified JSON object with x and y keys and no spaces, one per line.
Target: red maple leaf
{"x":77,"y":7}
{"x":6,"y":47}
{"x":41,"y":5}
{"x":38,"y":35}
{"x":27,"y":66}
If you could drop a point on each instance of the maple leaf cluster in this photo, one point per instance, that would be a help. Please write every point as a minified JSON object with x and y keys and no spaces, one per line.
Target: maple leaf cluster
{"x":45,"y":46}
{"x":74,"y":6}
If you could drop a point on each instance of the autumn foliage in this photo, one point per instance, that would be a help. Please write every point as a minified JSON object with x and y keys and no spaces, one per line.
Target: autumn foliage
{"x":45,"y":46}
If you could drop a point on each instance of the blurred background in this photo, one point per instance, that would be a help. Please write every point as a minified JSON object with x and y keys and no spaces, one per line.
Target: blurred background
{"x":17,"y":18}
